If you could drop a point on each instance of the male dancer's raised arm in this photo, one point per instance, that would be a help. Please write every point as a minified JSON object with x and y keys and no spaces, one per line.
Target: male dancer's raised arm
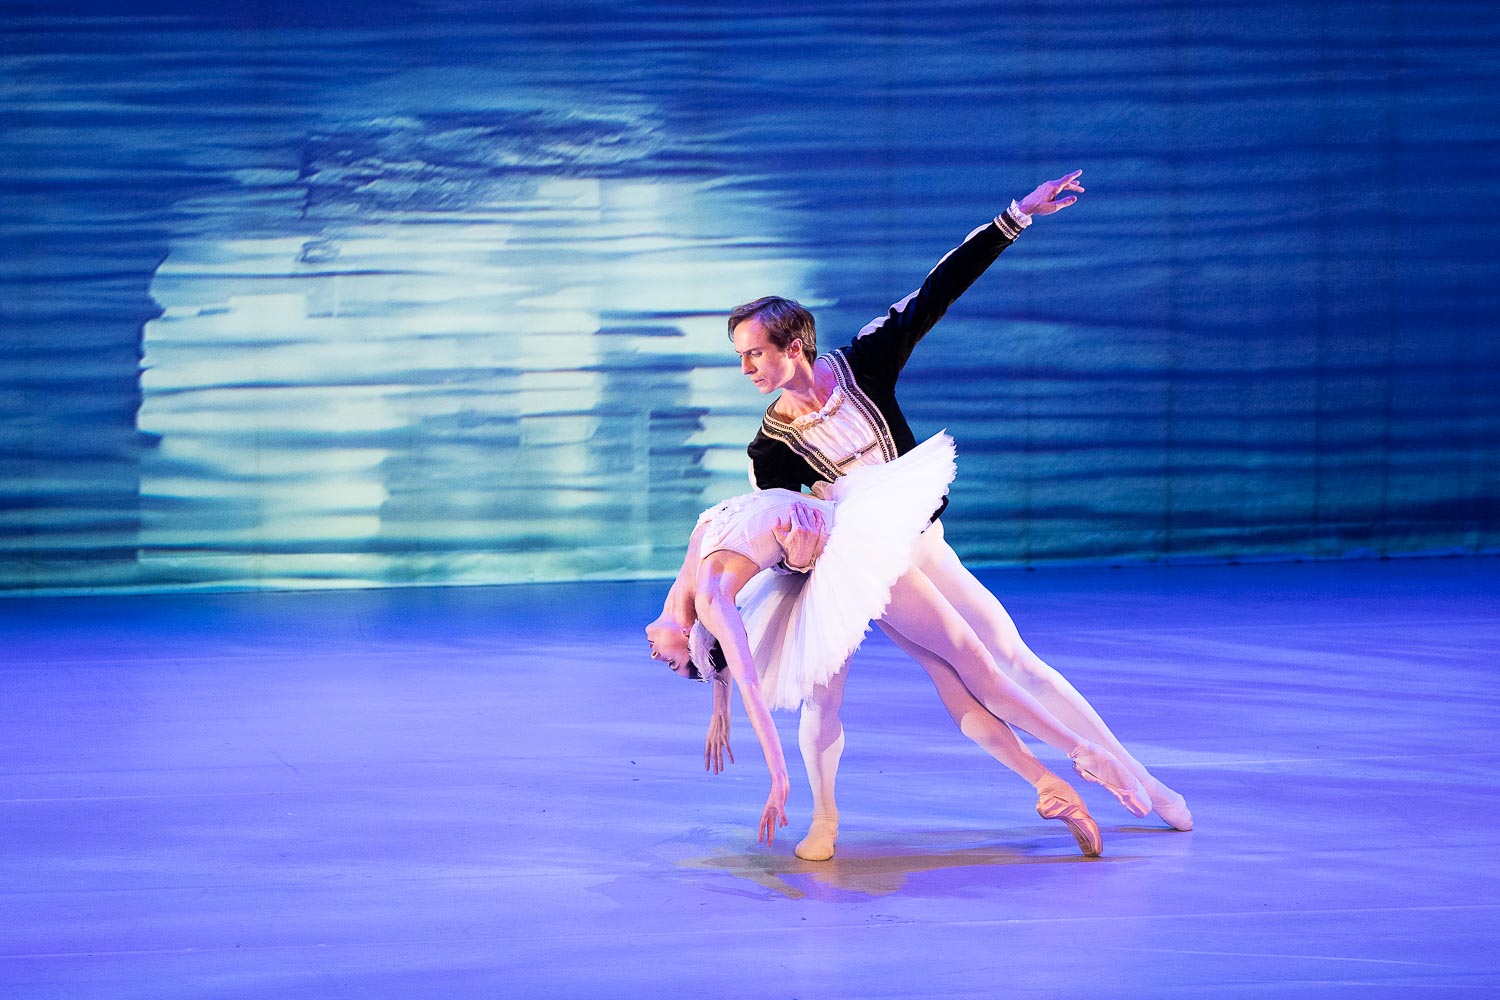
{"x":777,"y":343}
{"x":900,"y":329}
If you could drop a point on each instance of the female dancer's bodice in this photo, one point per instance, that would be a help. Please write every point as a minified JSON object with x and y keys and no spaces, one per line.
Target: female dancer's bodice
{"x":802,"y":628}
{"x":746,"y":524}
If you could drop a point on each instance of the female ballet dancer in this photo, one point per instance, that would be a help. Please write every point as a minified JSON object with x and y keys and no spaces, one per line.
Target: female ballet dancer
{"x":840,"y":412}
{"x":801,"y":632}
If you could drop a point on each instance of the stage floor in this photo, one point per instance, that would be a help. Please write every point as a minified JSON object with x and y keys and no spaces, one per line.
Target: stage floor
{"x":495,"y":793}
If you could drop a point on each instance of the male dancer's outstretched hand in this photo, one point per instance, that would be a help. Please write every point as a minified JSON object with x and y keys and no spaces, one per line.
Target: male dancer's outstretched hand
{"x":1044,"y":200}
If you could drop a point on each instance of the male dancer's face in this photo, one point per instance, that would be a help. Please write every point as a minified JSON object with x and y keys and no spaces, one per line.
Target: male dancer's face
{"x":768,"y":367}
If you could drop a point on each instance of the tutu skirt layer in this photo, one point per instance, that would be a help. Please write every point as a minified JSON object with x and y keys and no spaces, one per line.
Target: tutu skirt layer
{"x":802,"y":628}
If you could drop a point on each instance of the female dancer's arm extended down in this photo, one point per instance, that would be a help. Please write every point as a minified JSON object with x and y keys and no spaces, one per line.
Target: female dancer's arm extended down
{"x":704,"y":592}
{"x":720,"y":577}
{"x":668,"y":636}
{"x":801,"y":535}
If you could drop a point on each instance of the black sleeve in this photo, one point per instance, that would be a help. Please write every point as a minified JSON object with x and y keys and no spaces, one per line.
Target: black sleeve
{"x":882,"y":348}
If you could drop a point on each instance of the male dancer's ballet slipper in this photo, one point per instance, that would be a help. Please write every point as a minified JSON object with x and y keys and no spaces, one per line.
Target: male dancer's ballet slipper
{"x":821,"y":836}
{"x":1056,"y":799}
{"x":1094,"y":763}
{"x":1173,"y":808}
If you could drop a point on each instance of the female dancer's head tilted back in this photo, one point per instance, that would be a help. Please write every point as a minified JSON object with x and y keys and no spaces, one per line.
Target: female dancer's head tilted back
{"x":675,"y":648}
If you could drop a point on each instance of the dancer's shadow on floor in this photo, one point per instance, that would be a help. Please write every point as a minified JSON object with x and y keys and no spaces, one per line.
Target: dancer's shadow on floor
{"x":871,"y":867}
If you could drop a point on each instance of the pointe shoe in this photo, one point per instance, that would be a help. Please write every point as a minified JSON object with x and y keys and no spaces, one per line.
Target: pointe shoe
{"x":1173,"y":808}
{"x":1094,"y":763}
{"x":1057,"y":800}
{"x":820,"y":839}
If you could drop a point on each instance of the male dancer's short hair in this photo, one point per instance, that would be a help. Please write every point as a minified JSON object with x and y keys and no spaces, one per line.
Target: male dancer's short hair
{"x":784,"y":321}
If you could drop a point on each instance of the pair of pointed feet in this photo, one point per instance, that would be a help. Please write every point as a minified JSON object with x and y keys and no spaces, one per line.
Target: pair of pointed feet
{"x":1056,"y":799}
{"x":1094,"y":763}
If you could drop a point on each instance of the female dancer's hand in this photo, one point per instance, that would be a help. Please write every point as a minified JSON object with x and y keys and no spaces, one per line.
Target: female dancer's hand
{"x":775,"y":810}
{"x":1044,"y":200}
{"x":717,"y":744}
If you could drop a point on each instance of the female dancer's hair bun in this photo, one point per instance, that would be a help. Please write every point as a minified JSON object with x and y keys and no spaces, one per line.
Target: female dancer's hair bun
{"x":704,"y":650}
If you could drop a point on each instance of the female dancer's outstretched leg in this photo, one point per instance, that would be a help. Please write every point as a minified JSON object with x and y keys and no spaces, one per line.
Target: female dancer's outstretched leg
{"x":920,"y":613}
{"x":995,"y":628}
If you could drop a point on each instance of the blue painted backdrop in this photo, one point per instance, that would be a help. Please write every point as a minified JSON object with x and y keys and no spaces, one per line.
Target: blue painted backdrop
{"x":314,"y":294}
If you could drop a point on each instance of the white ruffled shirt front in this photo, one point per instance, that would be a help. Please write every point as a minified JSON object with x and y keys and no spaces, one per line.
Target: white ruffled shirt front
{"x":844,"y":437}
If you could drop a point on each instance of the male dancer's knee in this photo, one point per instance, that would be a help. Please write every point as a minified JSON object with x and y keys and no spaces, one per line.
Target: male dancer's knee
{"x":819,"y":727}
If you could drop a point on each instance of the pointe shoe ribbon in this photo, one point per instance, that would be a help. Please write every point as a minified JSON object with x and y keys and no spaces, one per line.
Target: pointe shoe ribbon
{"x":1094,"y":763}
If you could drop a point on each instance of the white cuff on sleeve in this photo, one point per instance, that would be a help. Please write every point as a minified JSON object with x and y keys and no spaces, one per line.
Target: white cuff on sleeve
{"x":1012,"y":221}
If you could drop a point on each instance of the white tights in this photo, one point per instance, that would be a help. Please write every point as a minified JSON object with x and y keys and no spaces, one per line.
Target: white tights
{"x":820,"y":732}
{"x":919,"y":625}
{"x":980,"y":698}
{"x":994,"y":627}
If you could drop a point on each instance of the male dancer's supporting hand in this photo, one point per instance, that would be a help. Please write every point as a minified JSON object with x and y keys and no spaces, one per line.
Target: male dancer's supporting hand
{"x":801,"y":537}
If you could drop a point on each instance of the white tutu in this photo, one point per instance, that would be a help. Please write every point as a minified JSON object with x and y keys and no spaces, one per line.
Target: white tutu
{"x":803,"y":627}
